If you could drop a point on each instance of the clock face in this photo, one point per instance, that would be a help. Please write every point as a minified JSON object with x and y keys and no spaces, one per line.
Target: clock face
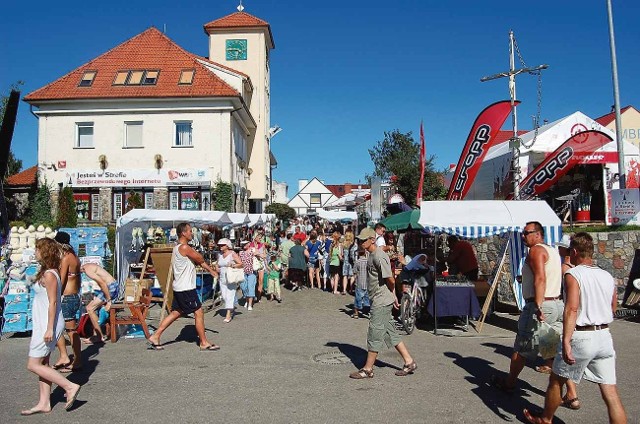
{"x":236,"y":49}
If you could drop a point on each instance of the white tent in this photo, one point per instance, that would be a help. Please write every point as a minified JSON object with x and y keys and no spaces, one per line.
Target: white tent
{"x":337,"y":215}
{"x":255,"y":219}
{"x":483,"y":218}
{"x":239,"y":218}
{"x":144,"y":218}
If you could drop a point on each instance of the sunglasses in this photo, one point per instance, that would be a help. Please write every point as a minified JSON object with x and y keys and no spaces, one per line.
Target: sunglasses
{"x":526,"y":233}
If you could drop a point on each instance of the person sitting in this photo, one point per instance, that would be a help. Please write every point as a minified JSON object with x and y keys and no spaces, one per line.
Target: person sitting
{"x":462,"y":259}
{"x":108,"y":292}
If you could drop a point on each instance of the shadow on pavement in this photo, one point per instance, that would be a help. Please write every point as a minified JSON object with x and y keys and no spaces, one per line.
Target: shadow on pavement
{"x":507,"y":351}
{"x":504,"y":406}
{"x":358,"y":355}
{"x":81,"y":377}
{"x":188,"y":334}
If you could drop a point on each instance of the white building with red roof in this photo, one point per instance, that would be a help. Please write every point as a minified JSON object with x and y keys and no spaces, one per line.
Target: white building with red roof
{"x":149,"y":117}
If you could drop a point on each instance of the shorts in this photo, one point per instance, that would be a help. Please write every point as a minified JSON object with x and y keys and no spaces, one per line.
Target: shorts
{"x":594,"y":355}
{"x":70,"y":306}
{"x":361,"y":299}
{"x":113,"y":292}
{"x":382,"y":329}
{"x":296,"y":275}
{"x":248,"y":286}
{"x":526,"y":343}
{"x":347,"y":269}
{"x":313,"y":263}
{"x":186,"y":302}
{"x":335,"y":269}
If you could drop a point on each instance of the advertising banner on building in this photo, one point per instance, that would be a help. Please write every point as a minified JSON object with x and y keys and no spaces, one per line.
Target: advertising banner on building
{"x":625,"y":207}
{"x":138,"y":177}
{"x":570,"y":153}
{"x":481,"y":138}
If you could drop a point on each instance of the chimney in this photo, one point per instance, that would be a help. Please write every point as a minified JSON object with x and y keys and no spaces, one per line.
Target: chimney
{"x":302,"y":183}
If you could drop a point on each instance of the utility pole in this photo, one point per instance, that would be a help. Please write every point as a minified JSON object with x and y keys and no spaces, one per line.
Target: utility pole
{"x":514,"y":142}
{"x":616,"y":100}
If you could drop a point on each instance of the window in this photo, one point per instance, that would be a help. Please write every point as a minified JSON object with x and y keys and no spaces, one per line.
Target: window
{"x":121,"y":78}
{"x":315,"y":199}
{"x":186,"y":76}
{"x":183,"y":134}
{"x":133,"y":134}
{"x":87,"y":78}
{"x":95,"y":207}
{"x":173,"y":200}
{"x":135,"y":77}
{"x":148,"y":200}
{"x":84,"y":135}
{"x":150,"y":77}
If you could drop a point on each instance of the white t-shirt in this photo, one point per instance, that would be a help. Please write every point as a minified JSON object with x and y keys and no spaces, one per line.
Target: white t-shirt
{"x":380,"y":242}
{"x":184,"y":272}
{"x":596,"y":293}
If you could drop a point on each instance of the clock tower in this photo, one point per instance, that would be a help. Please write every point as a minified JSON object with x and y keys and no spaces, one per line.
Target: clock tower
{"x":243,"y":42}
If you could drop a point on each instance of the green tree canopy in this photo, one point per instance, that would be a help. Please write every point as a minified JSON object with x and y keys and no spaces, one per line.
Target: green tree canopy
{"x":396,"y":158}
{"x":66,"y":216}
{"x":283,"y":212}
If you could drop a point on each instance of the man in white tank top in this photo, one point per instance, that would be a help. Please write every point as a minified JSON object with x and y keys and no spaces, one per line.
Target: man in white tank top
{"x":185,"y":296}
{"x":541,"y":279}
{"x":587,"y":348}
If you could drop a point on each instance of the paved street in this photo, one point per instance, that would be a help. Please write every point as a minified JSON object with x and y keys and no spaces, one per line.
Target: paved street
{"x":268,"y":371}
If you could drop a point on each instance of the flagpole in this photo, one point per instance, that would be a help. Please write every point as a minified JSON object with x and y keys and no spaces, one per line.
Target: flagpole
{"x":616,"y":99}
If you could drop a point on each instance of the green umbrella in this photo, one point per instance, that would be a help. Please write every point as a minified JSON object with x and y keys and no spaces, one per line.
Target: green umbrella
{"x":403,"y":220}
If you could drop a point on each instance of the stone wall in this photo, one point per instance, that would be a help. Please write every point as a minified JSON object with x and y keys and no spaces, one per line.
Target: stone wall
{"x":614,"y":252}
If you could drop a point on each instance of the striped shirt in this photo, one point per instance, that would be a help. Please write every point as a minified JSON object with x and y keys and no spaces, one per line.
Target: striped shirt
{"x":360,"y":270}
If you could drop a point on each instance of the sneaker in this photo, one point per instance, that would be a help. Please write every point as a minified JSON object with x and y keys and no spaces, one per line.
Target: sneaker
{"x":295,"y":288}
{"x":279,"y":299}
{"x":250,"y":308}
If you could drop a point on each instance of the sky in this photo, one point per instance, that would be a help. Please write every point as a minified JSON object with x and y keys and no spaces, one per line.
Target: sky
{"x":345,"y":71}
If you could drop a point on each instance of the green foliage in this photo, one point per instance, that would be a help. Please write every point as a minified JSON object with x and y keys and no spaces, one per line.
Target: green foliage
{"x":224,"y":196}
{"x":18,"y":224}
{"x":66,"y":214}
{"x":283,"y":212}
{"x":397,"y":158}
{"x":40,"y":206}
{"x":134,"y":201}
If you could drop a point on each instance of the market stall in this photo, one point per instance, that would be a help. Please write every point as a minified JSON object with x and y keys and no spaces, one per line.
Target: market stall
{"x":334,"y":216}
{"x":484,"y":218}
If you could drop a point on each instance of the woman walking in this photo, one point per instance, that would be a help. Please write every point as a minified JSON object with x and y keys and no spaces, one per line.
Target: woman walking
{"x":248,"y":286}
{"x":227,"y":259}
{"x":335,"y":257}
{"x":260,"y":252}
{"x":48,"y":325}
{"x":349,"y":248}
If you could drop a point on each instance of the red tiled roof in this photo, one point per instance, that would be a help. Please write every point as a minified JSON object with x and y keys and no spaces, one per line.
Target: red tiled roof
{"x":149,"y":50}
{"x":24,"y":178}
{"x":239,"y":20}
{"x":605,"y":120}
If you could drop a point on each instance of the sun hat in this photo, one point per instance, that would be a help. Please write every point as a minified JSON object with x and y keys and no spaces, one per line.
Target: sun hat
{"x":366,"y":233}
{"x":564,"y":242}
{"x":225,"y":242}
{"x":244,"y":242}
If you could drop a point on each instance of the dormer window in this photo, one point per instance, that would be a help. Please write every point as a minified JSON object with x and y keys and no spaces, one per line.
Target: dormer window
{"x":87,"y":78}
{"x":186,"y":76}
{"x":138,"y":77}
{"x":150,"y":78}
{"x":135,"y":77}
{"x":121,"y":78}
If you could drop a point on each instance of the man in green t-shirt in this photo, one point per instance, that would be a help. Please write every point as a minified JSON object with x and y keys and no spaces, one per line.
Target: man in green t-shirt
{"x":285,"y":246}
{"x":381,"y":288}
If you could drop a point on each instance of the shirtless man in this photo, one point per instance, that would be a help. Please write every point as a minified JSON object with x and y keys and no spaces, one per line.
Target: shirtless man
{"x":70,"y":278}
{"x":108,"y":291}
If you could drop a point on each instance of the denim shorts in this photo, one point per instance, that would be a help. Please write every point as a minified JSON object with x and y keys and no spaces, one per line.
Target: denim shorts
{"x":70,"y":306}
{"x":594,"y":355}
{"x":313,"y":263}
{"x":248,"y":286}
{"x":113,"y":292}
{"x":361,"y":299}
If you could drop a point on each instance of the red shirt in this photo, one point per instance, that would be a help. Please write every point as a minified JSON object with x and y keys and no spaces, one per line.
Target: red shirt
{"x":300,"y":236}
{"x":462,"y":257}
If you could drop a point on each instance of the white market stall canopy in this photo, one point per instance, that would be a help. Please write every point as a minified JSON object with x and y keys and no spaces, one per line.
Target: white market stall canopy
{"x":337,"y":215}
{"x":239,"y":218}
{"x":484,"y":218}
{"x":144,"y":218}
{"x":255,"y":219}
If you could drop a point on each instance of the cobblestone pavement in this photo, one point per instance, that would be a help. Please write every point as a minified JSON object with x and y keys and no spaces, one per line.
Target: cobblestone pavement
{"x":290,"y":362}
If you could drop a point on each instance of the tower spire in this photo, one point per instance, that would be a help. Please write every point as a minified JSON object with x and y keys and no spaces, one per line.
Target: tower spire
{"x":240,"y":7}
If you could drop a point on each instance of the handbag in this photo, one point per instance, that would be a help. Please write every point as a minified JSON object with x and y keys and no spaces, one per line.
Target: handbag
{"x":235,"y":275}
{"x":257,"y":264}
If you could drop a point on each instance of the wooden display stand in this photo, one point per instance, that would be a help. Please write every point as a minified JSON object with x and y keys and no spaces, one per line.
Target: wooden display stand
{"x":162,"y":258}
{"x":493,"y":285}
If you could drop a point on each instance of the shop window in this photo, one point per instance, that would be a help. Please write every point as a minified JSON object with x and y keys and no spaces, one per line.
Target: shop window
{"x":83,"y":201}
{"x":205,"y":196}
{"x":190,"y":200}
{"x":133,"y":134}
{"x":117,"y":205}
{"x":315,"y":199}
{"x":173,"y":200}
{"x":148,"y":200}
{"x":95,"y":207}
{"x":87,"y":79}
{"x":183,"y":134}
{"x":84,"y":135}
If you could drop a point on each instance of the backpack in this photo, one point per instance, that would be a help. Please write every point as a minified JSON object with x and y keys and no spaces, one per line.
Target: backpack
{"x":85,"y":327}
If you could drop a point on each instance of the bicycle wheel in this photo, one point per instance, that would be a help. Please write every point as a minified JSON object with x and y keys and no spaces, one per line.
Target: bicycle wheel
{"x":407,"y":313}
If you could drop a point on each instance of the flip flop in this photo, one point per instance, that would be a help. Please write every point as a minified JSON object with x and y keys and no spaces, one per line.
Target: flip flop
{"x":533,"y":419}
{"x":571,"y":403}
{"x":210,"y":348}
{"x":28,"y":412}
{"x":67,"y":369}
{"x":58,"y":366}
{"x":71,"y":401}
{"x":543,"y":369}
{"x":153,"y":346}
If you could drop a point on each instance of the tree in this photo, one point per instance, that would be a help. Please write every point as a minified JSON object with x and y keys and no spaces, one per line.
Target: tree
{"x":397,"y":158}
{"x":223,"y":196}
{"x":13,"y":165}
{"x":134,"y":201}
{"x":40,"y":206}
{"x":283,"y":212}
{"x":66,"y":216}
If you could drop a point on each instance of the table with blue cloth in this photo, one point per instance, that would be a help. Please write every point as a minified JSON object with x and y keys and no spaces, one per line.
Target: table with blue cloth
{"x":454,"y":300}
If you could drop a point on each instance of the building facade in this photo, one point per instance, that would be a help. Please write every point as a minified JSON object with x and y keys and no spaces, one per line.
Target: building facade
{"x":148,"y":117}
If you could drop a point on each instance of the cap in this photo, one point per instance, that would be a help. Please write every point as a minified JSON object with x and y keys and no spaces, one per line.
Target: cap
{"x":225,"y":241}
{"x":366,"y":233}
{"x":62,"y":237}
{"x":244,"y":242}
{"x":564,"y":242}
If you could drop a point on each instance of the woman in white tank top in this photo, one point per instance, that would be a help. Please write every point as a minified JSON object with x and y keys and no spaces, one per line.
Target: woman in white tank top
{"x":228,"y":258}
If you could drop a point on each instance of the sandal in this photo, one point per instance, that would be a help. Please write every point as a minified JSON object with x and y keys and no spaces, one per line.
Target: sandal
{"x":571,"y":403}
{"x":152,"y":346}
{"x":210,"y":348}
{"x":501,"y":384}
{"x":407,"y":369}
{"x":533,"y":419}
{"x":543,"y":369}
{"x":361,"y":373}
{"x":58,"y":366}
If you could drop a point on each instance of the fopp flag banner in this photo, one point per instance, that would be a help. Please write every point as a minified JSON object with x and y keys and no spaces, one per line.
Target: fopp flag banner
{"x":553,"y":167}
{"x":480,"y":139}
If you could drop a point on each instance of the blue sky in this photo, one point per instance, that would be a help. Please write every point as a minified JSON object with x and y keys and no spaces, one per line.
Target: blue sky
{"x":344,"y":72}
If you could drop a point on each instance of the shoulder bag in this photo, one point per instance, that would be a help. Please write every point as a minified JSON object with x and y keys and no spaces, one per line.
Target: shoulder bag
{"x":235,"y":275}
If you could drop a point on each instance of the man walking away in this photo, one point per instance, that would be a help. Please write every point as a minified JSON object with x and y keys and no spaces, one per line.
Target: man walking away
{"x":587,"y":346}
